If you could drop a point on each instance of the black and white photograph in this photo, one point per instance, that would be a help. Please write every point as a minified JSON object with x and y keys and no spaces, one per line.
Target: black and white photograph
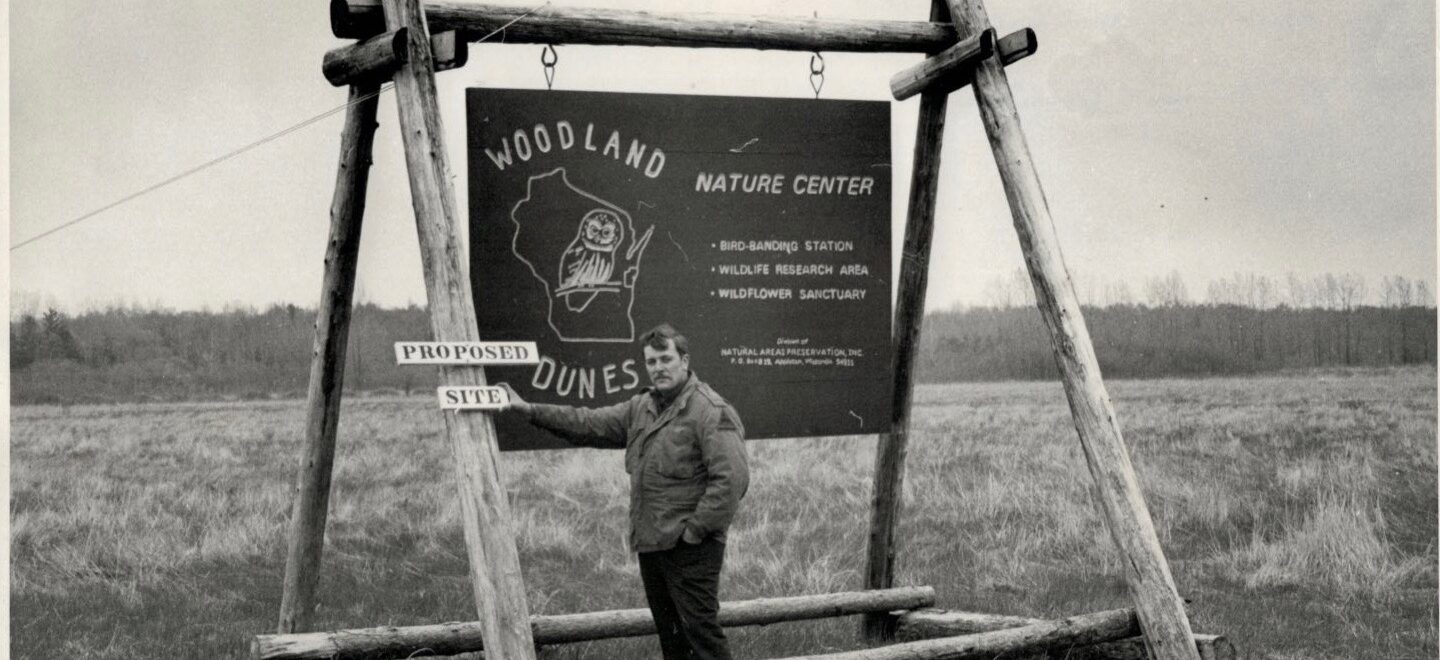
{"x":681,"y":330}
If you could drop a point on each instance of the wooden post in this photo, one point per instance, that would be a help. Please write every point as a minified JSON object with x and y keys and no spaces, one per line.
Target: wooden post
{"x":327,"y":364}
{"x":1161,"y":611}
{"x":464,"y":637}
{"x":886,"y":495}
{"x":495,"y":575}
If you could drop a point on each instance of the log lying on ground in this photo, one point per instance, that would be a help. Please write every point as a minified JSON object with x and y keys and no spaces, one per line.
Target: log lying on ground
{"x":1043,"y":636}
{"x":359,"y":19}
{"x":375,"y":59}
{"x":929,"y":623}
{"x":452,"y":638}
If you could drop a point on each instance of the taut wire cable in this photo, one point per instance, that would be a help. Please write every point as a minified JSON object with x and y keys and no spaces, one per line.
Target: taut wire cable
{"x":207,"y":164}
{"x":227,"y":156}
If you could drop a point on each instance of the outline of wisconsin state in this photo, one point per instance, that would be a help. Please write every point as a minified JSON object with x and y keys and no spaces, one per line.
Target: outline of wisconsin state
{"x":546,"y":223}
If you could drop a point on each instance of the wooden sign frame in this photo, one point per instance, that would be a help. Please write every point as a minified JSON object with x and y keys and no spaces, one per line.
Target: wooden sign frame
{"x":960,"y":49}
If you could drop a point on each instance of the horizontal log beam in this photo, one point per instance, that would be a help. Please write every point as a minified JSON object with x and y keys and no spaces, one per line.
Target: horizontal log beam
{"x":1080,"y":630}
{"x":930,"y":623}
{"x":359,"y":19}
{"x":953,"y":69}
{"x":376,"y":59}
{"x":453,"y":638}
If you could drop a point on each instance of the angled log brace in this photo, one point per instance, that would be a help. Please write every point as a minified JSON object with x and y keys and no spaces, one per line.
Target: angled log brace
{"x":376,"y":59}
{"x":954,"y":67}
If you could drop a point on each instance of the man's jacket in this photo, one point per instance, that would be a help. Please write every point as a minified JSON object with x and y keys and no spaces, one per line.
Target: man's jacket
{"x":687,"y":463}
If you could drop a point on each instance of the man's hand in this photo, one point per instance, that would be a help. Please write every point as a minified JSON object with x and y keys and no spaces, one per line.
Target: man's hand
{"x":516,"y":404}
{"x":689,"y":536}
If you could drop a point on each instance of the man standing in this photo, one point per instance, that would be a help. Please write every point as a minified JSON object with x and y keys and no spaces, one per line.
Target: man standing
{"x":685,"y":453}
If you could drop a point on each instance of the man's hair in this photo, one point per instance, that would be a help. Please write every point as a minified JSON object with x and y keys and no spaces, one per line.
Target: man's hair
{"x":660,"y":336}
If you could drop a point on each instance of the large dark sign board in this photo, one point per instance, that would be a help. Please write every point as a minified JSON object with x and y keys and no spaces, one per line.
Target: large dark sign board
{"x":759,"y":227}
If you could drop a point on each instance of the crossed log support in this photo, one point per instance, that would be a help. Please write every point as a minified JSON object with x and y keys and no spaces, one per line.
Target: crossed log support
{"x":406,"y":53}
{"x":1147,"y":574}
{"x":1161,"y":611}
{"x":379,"y":57}
{"x":397,"y":43}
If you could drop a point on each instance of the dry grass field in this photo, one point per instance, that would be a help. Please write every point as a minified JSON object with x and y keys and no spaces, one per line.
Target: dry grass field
{"x":1298,"y":513}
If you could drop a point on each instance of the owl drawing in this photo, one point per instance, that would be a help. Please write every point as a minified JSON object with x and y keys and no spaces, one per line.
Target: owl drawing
{"x":589,"y":261}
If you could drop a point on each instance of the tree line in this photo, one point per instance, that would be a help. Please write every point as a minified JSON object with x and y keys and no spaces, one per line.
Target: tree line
{"x":1135,"y":341}
{"x":134,"y":354}
{"x":1325,"y":291}
{"x":1246,"y":323}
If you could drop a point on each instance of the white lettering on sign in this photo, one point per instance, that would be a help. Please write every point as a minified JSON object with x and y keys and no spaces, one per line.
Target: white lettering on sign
{"x":581,"y":381}
{"x":774,"y":184}
{"x":466,"y":352}
{"x":524,"y":143}
{"x":816,"y":184}
{"x":472,"y":397}
{"x":787,"y":247}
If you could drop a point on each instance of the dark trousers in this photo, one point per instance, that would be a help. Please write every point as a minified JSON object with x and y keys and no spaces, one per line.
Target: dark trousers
{"x":682,"y":585}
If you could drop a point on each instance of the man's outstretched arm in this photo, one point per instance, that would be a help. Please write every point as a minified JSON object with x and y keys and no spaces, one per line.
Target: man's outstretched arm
{"x":586,"y":427}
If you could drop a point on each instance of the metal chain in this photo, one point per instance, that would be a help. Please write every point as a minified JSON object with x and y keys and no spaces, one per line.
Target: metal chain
{"x":548,"y":58}
{"x":817,"y":72}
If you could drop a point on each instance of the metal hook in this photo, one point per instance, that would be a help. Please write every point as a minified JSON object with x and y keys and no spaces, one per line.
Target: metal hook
{"x":817,"y":72}
{"x":548,"y":58}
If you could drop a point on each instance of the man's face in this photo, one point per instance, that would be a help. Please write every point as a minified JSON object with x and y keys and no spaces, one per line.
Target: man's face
{"x":667,"y":368}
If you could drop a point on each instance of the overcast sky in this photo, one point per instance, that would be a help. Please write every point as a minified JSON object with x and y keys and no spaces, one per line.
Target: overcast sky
{"x":1203,"y":137}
